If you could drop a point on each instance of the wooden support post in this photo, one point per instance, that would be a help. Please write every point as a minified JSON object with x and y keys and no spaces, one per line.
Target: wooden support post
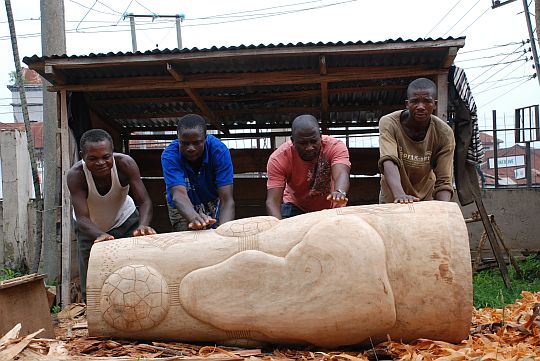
{"x":442,"y":96}
{"x":493,"y":241}
{"x":66,"y":202}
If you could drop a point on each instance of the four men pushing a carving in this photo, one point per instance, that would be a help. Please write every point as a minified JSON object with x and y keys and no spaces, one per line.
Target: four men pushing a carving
{"x":310,"y":172}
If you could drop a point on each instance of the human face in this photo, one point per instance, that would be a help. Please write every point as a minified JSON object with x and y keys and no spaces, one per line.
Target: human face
{"x":307,"y":143}
{"x":98,"y":157}
{"x":421,"y":104}
{"x":192,"y":144}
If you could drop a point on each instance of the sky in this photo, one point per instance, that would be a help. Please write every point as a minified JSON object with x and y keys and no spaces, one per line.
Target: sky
{"x":493,"y":56}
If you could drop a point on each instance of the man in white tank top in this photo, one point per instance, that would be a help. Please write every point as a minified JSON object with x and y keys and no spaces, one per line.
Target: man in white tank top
{"x":99,"y":186}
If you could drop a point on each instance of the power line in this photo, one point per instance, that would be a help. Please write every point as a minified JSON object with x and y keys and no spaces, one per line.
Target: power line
{"x":529,"y":77}
{"x":486,"y":57}
{"x":471,"y":24}
{"x":444,"y":17}
{"x":153,"y":13}
{"x":493,"y":47}
{"x":521,"y":45}
{"x":499,"y":80}
{"x":498,"y":71}
{"x":108,"y":7}
{"x":499,"y":63}
{"x":461,"y":18}
{"x":151,"y":26}
{"x":505,"y":93}
{"x":233,"y":14}
{"x":124,"y":13}
{"x":90,"y":9}
{"x":21,"y":20}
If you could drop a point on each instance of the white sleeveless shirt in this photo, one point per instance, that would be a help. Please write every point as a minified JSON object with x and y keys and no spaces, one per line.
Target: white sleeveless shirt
{"x":112,"y":209}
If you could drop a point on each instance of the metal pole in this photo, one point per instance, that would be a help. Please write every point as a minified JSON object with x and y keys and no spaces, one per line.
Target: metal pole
{"x":531,"y":37}
{"x":179,"y":31}
{"x":495,"y":149}
{"x":133,"y":34}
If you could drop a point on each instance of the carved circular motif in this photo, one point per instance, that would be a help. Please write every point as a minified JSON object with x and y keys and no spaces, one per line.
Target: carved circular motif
{"x":134,"y":298}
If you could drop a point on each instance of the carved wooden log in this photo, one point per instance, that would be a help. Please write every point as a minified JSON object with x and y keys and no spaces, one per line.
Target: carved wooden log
{"x":328,"y":278}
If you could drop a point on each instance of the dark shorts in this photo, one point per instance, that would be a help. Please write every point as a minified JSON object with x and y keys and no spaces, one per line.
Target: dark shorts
{"x":289,"y":210}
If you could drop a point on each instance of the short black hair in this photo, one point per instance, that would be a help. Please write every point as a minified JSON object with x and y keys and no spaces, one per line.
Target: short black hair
{"x":304,"y":121}
{"x":95,"y":136}
{"x":191,"y":121}
{"x":422,"y":83}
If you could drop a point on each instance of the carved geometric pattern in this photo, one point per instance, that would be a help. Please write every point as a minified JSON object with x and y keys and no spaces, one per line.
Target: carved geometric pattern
{"x":134,"y":298}
{"x":375,"y":209}
{"x":92,"y":299}
{"x":174,"y":291}
{"x":247,"y":243}
{"x":167,"y":240}
{"x":241,"y":334}
{"x":247,"y":227}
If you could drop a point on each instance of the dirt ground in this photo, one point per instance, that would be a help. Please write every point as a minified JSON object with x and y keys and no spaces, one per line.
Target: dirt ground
{"x":512,"y":333}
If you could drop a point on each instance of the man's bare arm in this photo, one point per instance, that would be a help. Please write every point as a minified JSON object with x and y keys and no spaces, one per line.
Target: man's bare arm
{"x":274,"y":197}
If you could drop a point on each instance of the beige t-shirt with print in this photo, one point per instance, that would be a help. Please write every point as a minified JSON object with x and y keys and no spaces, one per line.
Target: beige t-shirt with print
{"x":425,"y":166}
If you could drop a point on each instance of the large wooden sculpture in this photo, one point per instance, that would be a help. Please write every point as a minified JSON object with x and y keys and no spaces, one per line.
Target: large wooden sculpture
{"x":328,"y":278}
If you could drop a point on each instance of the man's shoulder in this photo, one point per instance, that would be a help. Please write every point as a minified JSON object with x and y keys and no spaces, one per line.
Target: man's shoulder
{"x":391,"y":118}
{"x":442,"y":127}
{"x":171,"y":148}
{"x":215,"y":144}
{"x":124,"y":163}
{"x":76,"y":169}
{"x":283,"y":151}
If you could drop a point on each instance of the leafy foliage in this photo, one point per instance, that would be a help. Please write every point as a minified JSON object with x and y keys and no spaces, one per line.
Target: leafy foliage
{"x":8,"y":273}
{"x":489,"y":288}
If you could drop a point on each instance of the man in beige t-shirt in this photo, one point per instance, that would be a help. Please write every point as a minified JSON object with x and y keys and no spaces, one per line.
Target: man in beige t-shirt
{"x":416,"y":149}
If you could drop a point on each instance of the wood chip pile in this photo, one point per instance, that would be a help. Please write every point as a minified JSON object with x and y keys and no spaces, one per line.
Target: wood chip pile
{"x":512,"y":333}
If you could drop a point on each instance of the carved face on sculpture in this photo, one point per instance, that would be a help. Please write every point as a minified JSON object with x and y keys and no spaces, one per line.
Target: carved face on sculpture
{"x":98,"y":157}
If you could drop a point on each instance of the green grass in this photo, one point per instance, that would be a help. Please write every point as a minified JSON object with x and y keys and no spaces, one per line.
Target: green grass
{"x":489,"y":289}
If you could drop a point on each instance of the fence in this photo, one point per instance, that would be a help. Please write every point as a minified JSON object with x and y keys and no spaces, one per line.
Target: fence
{"x":512,"y":150}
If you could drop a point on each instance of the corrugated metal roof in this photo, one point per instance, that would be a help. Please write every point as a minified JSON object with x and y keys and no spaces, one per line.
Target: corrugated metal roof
{"x":343,"y":84}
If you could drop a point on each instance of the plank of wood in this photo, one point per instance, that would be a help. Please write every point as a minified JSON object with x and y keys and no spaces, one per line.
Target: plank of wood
{"x":13,"y":350}
{"x":20,"y":280}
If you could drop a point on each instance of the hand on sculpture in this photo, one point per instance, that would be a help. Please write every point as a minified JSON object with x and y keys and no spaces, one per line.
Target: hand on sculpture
{"x":143,"y":231}
{"x":200,"y":221}
{"x":104,"y":237}
{"x":405,"y":198}
{"x":338,"y":198}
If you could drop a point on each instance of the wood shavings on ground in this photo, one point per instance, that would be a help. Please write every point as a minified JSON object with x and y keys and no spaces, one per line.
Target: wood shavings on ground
{"x":512,"y":333}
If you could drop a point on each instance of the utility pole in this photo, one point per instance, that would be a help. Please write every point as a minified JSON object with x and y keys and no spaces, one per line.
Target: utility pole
{"x":537,"y":17}
{"x":29,"y":138}
{"x":133,"y":33}
{"x":179,"y":18}
{"x":531,"y":37}
{"x":53,"y":42}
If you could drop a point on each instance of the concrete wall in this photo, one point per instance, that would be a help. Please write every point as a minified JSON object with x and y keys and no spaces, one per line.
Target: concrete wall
{"x":517,"y":213}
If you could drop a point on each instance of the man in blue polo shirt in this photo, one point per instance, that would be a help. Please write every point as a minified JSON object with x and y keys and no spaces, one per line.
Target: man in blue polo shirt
{"x":198,"y":174}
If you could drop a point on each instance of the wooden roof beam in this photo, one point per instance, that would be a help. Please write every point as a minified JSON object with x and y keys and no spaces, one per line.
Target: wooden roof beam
{"x":250,"y":97}
{"x":250,"y":79}
{"x":53,"y":73}
{"x":174,"y":72}
{"x":137,"y":60}
{"x":205,"y":110}
{"x":289,"y":110}
{"x":324,"y":92}
{"x":449,"y":59}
